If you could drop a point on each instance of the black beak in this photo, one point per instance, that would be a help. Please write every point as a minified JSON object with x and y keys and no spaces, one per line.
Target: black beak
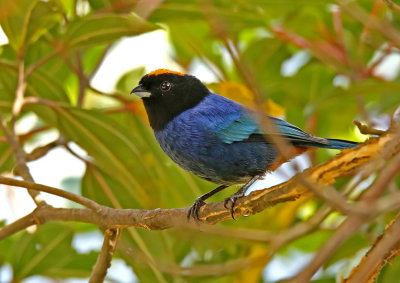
{"x":141,"y":91}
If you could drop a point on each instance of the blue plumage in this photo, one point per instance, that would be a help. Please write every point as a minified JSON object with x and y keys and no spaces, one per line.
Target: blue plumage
{"x":206,"y":141}
{"x":212,"y":136}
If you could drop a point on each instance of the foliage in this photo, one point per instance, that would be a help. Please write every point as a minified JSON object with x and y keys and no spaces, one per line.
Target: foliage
{"x":60,"y":45}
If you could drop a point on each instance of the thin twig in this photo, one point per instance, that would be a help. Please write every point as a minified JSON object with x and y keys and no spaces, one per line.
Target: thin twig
{"x":20,"y":159}
{"x":41,"y":62}
{"x":54,"y":191}
{"x":41,"y":151}
{"x":392,"y":5}
{"x":383,"y":27}
{"x":24,"y":137}
{"x":19,"y":92}
{"x":82,"y":78}
{"x":350,"y":225}
{"x":371,"y":69}
{"x":20,"y":155}
{"x":117,"y":95}
{"x":384,"y":249}
{"x":103,"y":262}
{"x":366,"y":130}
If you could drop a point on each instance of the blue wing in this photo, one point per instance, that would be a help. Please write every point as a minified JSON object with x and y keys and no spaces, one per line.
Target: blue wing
{"x":232,"y":122}
{"x":240,"y":129}
{"x":245,"y":127}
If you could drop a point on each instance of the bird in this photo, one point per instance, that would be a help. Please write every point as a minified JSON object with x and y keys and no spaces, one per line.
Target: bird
{"x":216,"y":138}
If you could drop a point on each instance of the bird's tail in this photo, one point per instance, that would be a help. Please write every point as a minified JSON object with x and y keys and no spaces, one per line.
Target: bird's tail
{"x":326,"y":143}
{"x":338,"y":144}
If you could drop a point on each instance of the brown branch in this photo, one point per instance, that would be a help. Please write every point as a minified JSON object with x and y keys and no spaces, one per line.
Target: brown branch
{"x":213,"y":213}
{"x":303,"y":228}
{"x":32,"y":132}
{"x":19,"y":92}
{"x":17,"y":226}
{"x":69,"y":149}
{"x":371,"y":69}
{"x":82,"y":78}
{"x":366,"y":130}
{"x":103,"y":262}
{"x":42,"y":150}
{"x":351,"y":224}
{"x":392,"y":5}
{"x":117,"y":95}
{"x":385,"y":248}
{"x":64,"y":194}
{"x":19,"y":154}
{"x":20,"y":159}
{"x":382,"y":26}
{"x":42,"y":61}
{"x":25,"y":136}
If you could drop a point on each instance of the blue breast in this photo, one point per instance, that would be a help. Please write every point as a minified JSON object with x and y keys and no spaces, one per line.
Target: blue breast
{"x":201,"y":141}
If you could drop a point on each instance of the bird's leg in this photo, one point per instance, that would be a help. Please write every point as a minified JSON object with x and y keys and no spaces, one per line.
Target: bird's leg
{"x":194,"y":209}
{"x":240,"y":193}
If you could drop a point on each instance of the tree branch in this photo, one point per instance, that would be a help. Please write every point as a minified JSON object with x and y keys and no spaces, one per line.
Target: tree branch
{"x":351,"y":224}
{"x":20,"y":159}
{"x":392,"y":5}
{"x":43,"y":188}
{"x":384,"y":249}
{"x":42,"y":61}
{"x":366,"y":130}
{"x":103,"y":262}
{"x":160,"y":219}
{"x":43,"y":150}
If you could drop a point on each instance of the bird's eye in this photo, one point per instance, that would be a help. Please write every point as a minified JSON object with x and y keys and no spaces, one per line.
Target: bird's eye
{"x":165,"y":86}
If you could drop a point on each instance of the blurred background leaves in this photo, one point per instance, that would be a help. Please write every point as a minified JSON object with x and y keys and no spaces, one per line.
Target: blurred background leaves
{"x":313,"y":63}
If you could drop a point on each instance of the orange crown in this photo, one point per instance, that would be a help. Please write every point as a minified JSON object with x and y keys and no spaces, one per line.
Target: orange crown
{"x":164,"y":71}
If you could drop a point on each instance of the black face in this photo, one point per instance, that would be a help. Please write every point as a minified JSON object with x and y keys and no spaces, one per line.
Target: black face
{"x":167,"y":95}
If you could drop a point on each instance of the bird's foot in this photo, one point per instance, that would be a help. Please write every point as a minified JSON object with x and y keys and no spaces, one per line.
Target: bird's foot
{"x":194,"y":209}
{"x":232,"y":199}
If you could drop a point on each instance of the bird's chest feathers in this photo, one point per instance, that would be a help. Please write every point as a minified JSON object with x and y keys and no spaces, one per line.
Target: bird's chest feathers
{"x":182,"y":138}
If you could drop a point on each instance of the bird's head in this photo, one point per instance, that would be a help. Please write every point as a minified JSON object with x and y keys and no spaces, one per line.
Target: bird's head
{"x":167,"y":93}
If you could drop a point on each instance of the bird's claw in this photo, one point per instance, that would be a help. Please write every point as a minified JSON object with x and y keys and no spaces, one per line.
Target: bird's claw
{"x":233,"y":200}
{"x":194,"y":209}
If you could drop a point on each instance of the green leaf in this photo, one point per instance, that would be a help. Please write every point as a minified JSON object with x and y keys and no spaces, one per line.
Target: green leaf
{"x":103,"y":28}
{"x":48,"y":252}
{"x":107,"y":189}
{"x":8,"y":83}
{"x":44,"y":16}
{"x":390,"y":272}
{"x":99,"y":4}
{"x":126,"y":153}
{"x":130,"y":79}
{"x":6,"y":157}
{"x":25,"y":21}
{"x":39,"y":84}
{"x":311,"y":242}
{"x":15,"y":22}
{"x":5,"y":246}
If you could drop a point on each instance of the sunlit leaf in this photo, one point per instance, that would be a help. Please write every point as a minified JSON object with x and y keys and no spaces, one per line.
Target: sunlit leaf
{"x":25,"y":20}
{"x":6,"y":157}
